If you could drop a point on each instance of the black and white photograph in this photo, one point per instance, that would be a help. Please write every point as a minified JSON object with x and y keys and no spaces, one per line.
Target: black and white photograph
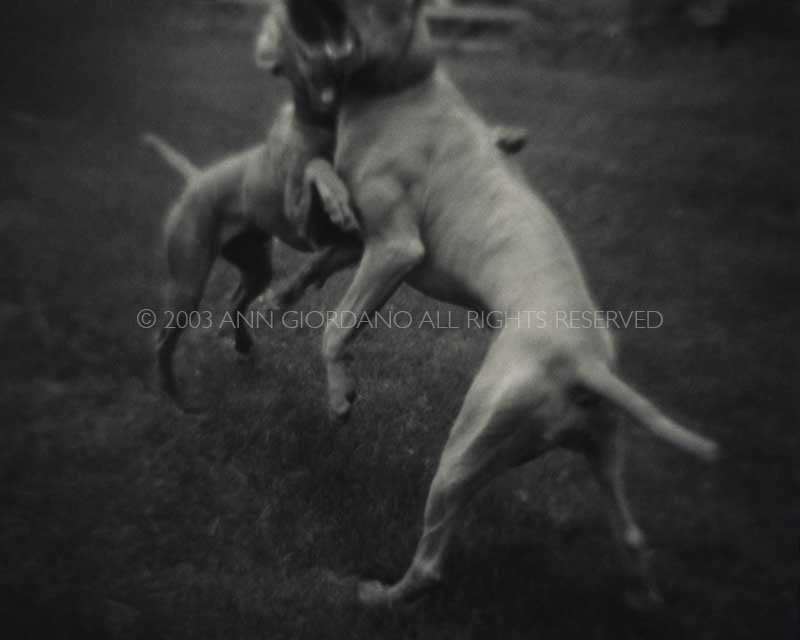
{"x":394,"y":319}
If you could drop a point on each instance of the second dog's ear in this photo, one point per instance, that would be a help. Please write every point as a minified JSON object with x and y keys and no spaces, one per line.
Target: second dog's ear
{"x":269,"y":47}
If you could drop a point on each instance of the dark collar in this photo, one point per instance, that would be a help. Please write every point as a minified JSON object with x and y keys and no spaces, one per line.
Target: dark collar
{"x":380,"y":78}
{"x":306,"y":114}
{"x":414,"y":64}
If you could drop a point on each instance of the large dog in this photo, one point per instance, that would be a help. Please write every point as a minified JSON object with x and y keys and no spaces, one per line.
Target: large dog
{"x":283,"y":188}
{"x":442,"y":210}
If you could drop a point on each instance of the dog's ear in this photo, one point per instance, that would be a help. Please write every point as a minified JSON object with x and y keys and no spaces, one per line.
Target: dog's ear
{"x":269,"y":46}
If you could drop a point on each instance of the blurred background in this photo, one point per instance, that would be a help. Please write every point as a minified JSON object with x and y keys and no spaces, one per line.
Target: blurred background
{"x":664,"y":133}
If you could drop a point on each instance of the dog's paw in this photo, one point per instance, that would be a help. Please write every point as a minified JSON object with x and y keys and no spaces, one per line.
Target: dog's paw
{"x":339,"y":590}
{"x":373,"y":594}
{"x":341,"y":392}
{"x":165,"y":386}
{"x":336,"y":201}
{"x":333,"y":193}
{"x":339,"y":412}
{"x":340,"y":212}
{"x":341,"y":406}
{"x":376,"y":596}
{"x":243,"y":341}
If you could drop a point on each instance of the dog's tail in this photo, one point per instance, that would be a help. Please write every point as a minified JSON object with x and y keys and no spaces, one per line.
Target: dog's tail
{"x":604,"y":383}
{"x":173,"y":157}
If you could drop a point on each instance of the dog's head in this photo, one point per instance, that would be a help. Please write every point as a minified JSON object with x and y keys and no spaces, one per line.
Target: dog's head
{"x":381,"y":43}
{"x":311,"y":48}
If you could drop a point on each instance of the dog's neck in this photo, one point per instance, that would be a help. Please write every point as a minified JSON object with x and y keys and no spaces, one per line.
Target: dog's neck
{"x":375,"y":79}
{"x":307,"y":115}
{"x":388,"y":73}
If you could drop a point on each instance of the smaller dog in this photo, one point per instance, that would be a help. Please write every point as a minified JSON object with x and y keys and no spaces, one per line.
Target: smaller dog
{"x":284,"y":188}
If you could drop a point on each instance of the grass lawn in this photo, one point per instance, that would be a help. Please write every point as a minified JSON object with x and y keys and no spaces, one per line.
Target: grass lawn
{"x":676,"y":177}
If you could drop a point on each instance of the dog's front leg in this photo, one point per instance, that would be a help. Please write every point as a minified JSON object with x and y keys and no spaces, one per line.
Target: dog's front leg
{"x":320,"y":178}
{"x":387,"y":259}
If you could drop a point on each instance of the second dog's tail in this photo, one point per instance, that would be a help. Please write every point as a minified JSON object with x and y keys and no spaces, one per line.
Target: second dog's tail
{"x":604,"y":383}
{"x":173,"y":157}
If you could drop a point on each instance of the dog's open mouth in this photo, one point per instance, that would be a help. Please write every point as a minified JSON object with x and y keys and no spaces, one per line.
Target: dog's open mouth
{"x":322,"y":28}
{"x":318,"y":22}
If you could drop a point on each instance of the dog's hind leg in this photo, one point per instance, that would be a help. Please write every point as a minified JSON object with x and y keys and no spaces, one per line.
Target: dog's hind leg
{"x":606,"y":455}
{"x":250,"y":252}
{"x":191,"y":249}
{"x":192,"y":237}
{"x":496,"y":429}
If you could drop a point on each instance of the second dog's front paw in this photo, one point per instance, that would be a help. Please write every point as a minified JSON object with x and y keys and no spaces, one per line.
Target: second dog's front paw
{"x":341,"y":394}
{"x":334,"y":195}
{"x":339,"y":409}
{"x":336,"y":202}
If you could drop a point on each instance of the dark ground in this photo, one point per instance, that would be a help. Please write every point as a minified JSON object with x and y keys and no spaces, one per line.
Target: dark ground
{"x":674,"y":172}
